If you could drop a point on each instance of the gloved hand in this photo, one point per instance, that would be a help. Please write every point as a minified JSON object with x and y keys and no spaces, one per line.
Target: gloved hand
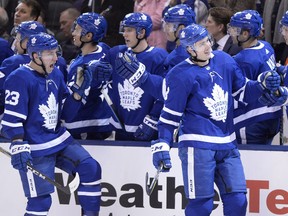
{"x":147,"y":130}
{"x":160,"y":150}
{"x":128,"y":67}
{"x":82,"y":82}
{"x":20,"y":155}
{"x":275,"y":99}
{"x":269,"y":80}
{"x":101,"y":71}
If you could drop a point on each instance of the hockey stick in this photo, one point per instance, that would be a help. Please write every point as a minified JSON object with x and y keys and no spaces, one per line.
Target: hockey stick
{"x":68,"y":189}
{"x":107,"y":98}
{"x":149,"y":189}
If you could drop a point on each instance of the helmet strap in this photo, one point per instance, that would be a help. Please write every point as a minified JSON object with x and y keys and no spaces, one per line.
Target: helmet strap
{"x":41,"y":65}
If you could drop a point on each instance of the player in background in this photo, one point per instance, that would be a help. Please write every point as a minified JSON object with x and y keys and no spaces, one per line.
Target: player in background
{"x":281,"y":50}
{"x":93,"y":119}
{"x":175,"y":19}
{"x":137,"y":110}
{"x":36,"y":99}
{"x":255,"y":123}
{"x":200,"y":93}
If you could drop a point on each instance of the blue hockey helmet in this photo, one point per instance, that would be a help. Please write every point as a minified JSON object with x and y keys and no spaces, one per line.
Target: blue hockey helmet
{"x":180,"y":14}
{"x":138,"y":21}
{"x":40,"y":42}
{"x":284,"y":20}
{"x":94,"y":23}
{"x":28,"y":28}
{"x":192,"y":34}
{"x":247,"y":20}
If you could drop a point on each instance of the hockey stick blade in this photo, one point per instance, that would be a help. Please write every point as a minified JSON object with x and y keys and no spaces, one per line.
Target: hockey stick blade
{"x":149,"y":189}
{"x":68,"y":189}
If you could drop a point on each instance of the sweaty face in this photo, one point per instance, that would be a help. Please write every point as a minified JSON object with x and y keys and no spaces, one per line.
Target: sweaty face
{"x":129,"y":35}
{"x":22,"y":13}
{"x":49,"y":59}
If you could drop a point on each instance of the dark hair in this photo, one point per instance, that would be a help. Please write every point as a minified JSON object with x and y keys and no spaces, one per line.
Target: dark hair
{"x":221,"y":15}
{"x":36,"y":8}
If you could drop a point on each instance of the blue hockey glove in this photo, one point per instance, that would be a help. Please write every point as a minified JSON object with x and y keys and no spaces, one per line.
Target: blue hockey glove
{"x":20,"y":155}
{"x":278,"y":98}
{"x":147,"y":130}
{"x":269,"y":80}
{"x":128,"y":67}
{"x":82,"y":82}
{"x":160,"y":150}
{"x":101,"y":71}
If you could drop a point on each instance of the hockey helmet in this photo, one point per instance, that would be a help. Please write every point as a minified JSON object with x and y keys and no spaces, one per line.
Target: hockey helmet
{"x":40,"y":42}
{"x":180,"y":14}
{"x":138,"y":21}
{"x":192,"y":34}
{"x":246,"y":20}
{"x":284,"y":20}
{"x":94,"y":23}
{"x":27,"y":28}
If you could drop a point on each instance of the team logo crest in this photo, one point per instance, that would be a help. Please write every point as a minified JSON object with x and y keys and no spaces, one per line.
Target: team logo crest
{"x":129,"y":96}
{"x":50,"y":112}
{"x":218,"y":104}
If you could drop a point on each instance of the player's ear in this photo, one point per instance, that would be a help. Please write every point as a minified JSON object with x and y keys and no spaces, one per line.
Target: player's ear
{"x":142,"y":34}
{"x":190,"y":50}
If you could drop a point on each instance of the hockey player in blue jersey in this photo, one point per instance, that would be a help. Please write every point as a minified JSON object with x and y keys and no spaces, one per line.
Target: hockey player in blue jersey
{"x":200,"y":93}
{"x":261,"y":123}
{"x":23,"y":31}
{"x":137,"y":110}
{"x":36,"y":99}
{"x":175,"y":19}
{"x":93,"y":119}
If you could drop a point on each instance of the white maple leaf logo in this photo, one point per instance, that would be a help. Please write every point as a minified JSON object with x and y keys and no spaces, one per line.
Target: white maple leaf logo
{"x":218,"y":104}
{"x":129,"y":96}
{"x":50,"y":112}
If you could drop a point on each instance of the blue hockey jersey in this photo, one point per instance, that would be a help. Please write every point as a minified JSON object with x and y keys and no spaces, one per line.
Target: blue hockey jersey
{"x":203,"y":99}
{"x":13,"y":62}
{"x":95,"y":115}
{"x":133,"y":104}
{"x":253,"y":61}
{"x":33,"y":107}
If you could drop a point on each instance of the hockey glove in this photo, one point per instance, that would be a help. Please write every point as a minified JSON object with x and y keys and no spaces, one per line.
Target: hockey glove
{"x":272,"y":99}
{"x":269,"y":80}
{"x":147,"y":130}
{"x":82,"y":82}
{"x":128,"y":67}
{"x":101,"y":71}
{"x":160,"y":150}
{"x":20,"y":155}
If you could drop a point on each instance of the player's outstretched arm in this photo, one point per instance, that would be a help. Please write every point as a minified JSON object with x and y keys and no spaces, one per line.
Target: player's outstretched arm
{"x":82,"y":82}
{"x":128,"y":67}
{"x":277,"y":98}
{"x":100,"y":70}
{"x":269,"y":80}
